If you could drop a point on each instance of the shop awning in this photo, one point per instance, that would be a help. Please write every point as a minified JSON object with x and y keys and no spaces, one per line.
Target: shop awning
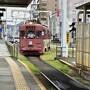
{"x":84,"y":4}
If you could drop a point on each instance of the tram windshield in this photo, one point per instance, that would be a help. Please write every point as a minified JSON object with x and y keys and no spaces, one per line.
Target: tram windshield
{"x":34,"y":34}
{"x":31,"y":34}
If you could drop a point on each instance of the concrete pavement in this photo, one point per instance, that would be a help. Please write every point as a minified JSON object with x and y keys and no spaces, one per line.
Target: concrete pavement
{"x":3,"y":49}
{"x":6,"y":78}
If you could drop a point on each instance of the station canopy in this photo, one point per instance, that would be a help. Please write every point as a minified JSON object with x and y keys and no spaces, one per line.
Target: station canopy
{"x":82,"y":5}
{"x":15,"y":3}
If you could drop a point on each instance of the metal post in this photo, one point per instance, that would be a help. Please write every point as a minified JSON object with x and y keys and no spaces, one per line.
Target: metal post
{"x":84,"y":14}
{"x":64,"y":28}
{"x":5,"y":38}
{"x":84,"y":21}
{"x":61,"y":51}
{"x":56,"y":50}
{"x":78,"y":17}
{"x":16,"y":50}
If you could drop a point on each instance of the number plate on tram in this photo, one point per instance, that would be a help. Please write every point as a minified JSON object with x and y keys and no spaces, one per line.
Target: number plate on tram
{"x":30,"y":44}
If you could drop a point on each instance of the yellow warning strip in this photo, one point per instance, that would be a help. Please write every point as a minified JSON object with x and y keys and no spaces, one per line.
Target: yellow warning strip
{"x":17,"y":75}
{"x":42,"y":87}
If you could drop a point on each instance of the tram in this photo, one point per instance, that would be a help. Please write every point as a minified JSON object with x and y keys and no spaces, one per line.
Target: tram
{"x":34,"y":38}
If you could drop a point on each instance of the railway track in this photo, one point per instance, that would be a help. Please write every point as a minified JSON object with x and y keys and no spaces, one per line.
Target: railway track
{"x":59,"y":80}
{"x":51,"y":81}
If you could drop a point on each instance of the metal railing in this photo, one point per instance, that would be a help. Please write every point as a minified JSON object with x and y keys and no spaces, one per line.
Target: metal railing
{"x":13,"y":49}
{"x":60,"y":51}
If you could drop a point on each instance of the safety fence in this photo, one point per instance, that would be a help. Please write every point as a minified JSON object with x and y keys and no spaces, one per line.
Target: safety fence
{"x":13,"y":49}
{"x":61,"y":50}
{"x":83,"y":45}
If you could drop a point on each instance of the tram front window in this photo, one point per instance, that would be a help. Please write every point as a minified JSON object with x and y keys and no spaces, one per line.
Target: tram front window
{"x":31,"y":34}
{"x":34,"y":34}
{"x":38,"y":34}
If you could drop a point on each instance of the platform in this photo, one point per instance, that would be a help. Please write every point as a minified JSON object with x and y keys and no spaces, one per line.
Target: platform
{"x":13,"y":74}
{"x":3,"y":49}
{"x":6,"y":78}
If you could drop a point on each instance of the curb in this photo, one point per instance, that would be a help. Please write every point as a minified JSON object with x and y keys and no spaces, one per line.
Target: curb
{"x":73,"y":67}
{"x":34,"y":77}
{"x":70,"y":65}
{"x":19,"y":80}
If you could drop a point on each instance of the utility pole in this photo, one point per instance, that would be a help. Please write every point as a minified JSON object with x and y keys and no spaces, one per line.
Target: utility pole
{"x":64,"y":28}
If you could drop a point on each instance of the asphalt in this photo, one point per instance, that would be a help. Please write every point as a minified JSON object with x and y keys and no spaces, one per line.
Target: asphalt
{"x":57,"y":77}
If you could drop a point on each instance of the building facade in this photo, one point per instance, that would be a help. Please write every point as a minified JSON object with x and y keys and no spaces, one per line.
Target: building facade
{"x":46,"y":5}
{"x":48,"y":16}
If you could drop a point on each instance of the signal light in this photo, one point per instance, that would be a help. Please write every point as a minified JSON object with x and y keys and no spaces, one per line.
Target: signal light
{"x":73,"y":29}
{"x":73,"y":24}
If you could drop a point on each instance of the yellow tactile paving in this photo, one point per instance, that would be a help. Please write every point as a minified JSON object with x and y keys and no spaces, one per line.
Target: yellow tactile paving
{"x":17,"y":75}
{"x":38,"y":82}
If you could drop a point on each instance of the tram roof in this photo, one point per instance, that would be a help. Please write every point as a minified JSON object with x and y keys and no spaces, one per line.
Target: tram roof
{"x":38,"y":25}
{"x":81,"y":5}
{"x":15,"y":3}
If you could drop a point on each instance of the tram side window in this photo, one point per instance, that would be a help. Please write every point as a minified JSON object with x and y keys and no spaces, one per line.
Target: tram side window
{"x":22,"y":34}
{"x":49,"y":34}
{"x":44,"y":33}
{"x":38,"y":34}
